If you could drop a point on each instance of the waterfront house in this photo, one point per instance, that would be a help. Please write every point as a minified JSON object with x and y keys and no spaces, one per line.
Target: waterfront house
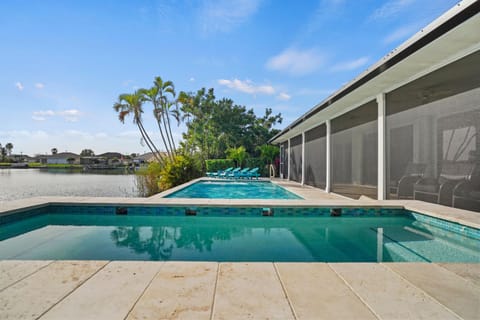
{"x":60,"y":158}
{"x":407,"y":127}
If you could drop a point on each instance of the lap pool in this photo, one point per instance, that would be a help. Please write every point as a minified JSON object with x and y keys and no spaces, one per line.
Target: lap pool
{"x":91,"y":232}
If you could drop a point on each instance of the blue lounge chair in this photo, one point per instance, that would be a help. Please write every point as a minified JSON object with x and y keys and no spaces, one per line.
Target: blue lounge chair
{"x":253,"y":173}
{"x":227,"y":174}
{"x":238,"y":174}
{"x":219,"y":172}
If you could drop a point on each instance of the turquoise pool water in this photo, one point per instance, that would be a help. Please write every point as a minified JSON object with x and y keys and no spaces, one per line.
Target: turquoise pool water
{"x":234,"y":190}
{"x":395,"y":237}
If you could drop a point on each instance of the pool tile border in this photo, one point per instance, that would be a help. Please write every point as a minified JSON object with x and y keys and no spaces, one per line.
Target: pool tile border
{"x":238,"y":211}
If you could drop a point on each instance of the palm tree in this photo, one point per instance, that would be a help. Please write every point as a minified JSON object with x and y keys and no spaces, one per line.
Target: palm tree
{"x":54,"y":150}
{"x":132,"y":104}
{"x":152,"y":96}
{"x":164,"y":88}
{"x":9,"y":147}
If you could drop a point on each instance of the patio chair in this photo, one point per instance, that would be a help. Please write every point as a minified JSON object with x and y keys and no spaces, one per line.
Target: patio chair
{"x":238,"y":174}
{"x":227,"y":174}
{"x":253,"y":173}
{"x":441,"y":190}
{"x":219,"y":172}
{"x":403,"y":188}
{"x":466,"y":195}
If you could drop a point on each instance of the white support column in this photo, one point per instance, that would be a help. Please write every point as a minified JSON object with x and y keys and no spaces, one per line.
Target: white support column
{"x":328,"y":166}
{"x":288,"y":159}
{"x":303,"y":158}
{"x":381,"y":185}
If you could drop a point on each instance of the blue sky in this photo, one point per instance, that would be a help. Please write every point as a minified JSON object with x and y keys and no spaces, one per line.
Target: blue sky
{"x":64,"y":63}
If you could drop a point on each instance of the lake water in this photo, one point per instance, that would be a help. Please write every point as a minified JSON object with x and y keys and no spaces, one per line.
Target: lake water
{"x":27,"y":183}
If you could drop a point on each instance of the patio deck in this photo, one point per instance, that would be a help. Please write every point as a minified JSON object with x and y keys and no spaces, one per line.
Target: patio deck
{"x":209,"y":290}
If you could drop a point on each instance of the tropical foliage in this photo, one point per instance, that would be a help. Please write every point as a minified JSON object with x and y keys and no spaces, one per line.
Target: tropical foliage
{"x":216,"y":128}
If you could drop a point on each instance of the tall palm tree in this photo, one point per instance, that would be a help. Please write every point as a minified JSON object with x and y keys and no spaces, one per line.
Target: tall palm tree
{"x":152,"y":95}
{"x":9,"y":147}
{"x":132,"y":104}
{"x":164,"y":88}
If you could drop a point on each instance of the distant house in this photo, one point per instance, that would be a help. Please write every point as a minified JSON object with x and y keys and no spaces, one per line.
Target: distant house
{"x":61,"y":158}
{"x":147,"y":157}
{"x":21,"y":158}
{"x":107,"y":158}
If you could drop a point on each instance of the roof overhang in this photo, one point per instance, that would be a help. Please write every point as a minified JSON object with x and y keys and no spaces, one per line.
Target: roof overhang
{"x":452,"y":36}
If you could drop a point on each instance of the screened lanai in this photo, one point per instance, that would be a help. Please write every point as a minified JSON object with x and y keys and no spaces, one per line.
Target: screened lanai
{"x":407,"y":128}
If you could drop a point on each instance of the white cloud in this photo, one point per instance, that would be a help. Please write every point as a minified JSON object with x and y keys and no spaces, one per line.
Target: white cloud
{"x":390,"y":9}
{"x":42,"y":115}
{"x":70,"y":115}
{"x":39,"y":85}
{"x":296,"y":62}
{"x":400,"y":34}
{"x":284,"y":96}
{"x":246,"y":86}
{"x":192,"y":79}
{"x":350,"y":65}
{"x":19,"y":86}
{"x":225,"y":15}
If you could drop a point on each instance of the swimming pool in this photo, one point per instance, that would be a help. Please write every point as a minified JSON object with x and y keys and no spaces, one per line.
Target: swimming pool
{"x":234,"y":190}
{"x":234,"y":234}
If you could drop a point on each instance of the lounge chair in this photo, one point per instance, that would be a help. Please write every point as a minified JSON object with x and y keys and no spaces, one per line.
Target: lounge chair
{"x":219,"y":172}
{"x":238,"y":174}
{"x":466,"y":194}
{"x":250,"y":174}
{"x":441,"y":190}
{"x":227,"y":174}
{"x":403,"y":188}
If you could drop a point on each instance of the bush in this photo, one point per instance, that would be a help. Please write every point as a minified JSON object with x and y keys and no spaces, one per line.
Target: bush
{"x":182,"y":169}
{"x":259,"y":163}
{"x":147,"y":179}
{"x":214,"y":165}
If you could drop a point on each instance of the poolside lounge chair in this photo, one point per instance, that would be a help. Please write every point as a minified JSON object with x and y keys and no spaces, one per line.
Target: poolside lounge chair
{"x":441,"y":190}
{"x":238,"y":174}
{"x":403,"y":188}
{"x":227,"y":174}
{"x":219,"y":172}
{"x":250,"y":174}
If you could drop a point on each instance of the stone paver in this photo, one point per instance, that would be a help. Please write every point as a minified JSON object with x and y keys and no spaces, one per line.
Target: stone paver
{"x":316,"y":292}
{"x":12,"y":271}
{"x":468,"y":271}
{"x":453,"y":291}
{"x":32,"y":296}
{"x":387,"y":294}
{"x":109,"y":294}
{"x":250,"y":291}
{"x":181,"y":290}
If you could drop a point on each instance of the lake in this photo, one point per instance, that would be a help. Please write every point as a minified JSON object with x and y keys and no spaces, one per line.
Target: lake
{"x":27,"y":183}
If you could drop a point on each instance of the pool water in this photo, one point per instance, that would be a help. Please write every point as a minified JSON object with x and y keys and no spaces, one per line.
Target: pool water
{"x":234,"y":238}
{"x":234,"y":190}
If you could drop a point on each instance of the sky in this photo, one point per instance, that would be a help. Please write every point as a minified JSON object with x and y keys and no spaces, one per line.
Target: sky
{"x":63,"y":64}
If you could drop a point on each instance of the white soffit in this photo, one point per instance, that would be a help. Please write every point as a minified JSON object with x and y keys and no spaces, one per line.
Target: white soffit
{"x":453,"y":45}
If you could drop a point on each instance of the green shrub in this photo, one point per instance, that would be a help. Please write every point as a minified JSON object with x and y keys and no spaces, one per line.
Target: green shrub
{"x":259,"y":163}
{"x":147,"y":178}
{"x":182,"y":169}
{"x":238,"y":155}
{"x":214,"y":165}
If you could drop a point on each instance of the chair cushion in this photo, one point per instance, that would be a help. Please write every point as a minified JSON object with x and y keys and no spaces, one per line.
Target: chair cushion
{"x":430,"y":188}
